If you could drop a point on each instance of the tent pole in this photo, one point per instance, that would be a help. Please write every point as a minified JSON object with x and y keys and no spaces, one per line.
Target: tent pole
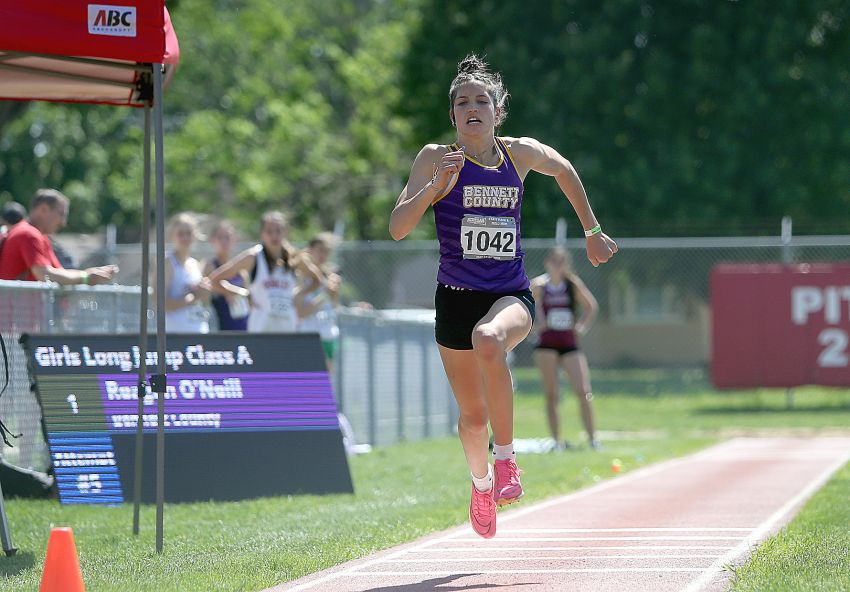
{"x":158,"y":381}
{"x":143,"y":320}
{"x":5,"y":536}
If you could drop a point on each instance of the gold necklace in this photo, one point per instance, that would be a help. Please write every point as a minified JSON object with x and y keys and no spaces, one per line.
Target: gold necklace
{"x":480,"y":156}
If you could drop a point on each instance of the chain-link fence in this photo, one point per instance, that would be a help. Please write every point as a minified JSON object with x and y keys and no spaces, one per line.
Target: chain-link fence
{"x":35,"y":307}
{"x":654,"y":301}
{"x":654,"y":313}
{"x":653,"y":296}
{"x":388,"y":376}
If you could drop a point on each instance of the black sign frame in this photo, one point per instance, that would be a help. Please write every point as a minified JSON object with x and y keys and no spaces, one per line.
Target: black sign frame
{"x":247,"y":415}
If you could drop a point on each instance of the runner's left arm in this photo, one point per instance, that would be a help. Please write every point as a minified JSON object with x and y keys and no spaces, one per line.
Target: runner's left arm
{"x":530,"y":154}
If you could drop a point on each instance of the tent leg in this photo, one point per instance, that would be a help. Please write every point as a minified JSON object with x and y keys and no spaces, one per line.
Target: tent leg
{"x":143,"y":320}
{"x":158,"y":381}
{"x":5,"y":537}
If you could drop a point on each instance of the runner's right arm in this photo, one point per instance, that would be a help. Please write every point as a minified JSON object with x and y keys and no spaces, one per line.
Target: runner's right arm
{"x":429,"y":177}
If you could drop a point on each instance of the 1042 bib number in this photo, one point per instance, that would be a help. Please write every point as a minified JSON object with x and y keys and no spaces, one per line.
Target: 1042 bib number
{"x":491,"y":237}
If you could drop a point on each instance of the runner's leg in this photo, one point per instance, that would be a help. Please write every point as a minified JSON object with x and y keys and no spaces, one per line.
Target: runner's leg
{"x":575,"y":364}
{"x":468,"y":388}
{"x":504,"y":326}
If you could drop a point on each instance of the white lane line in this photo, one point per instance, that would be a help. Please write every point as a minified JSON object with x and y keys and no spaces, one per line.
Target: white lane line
{"x":796,"y":457}
{"x":476,"y":572}
{"x":577,"y":548}
{"x":351,"y":570}
{"x":613,"y":538}
{"x":514,"y":514}
{"x":636,"y":529}
{"x":549,"y":557}
{"x":761,"y":532}
{"x":614,"y":482}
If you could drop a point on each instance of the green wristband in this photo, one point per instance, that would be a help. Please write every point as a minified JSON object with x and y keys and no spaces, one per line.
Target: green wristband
{"x":84,"y":278}
{"x":595,"y":230}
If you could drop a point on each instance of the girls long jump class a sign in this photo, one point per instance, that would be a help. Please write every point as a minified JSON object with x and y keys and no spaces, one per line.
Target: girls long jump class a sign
{"x":245,"y":416}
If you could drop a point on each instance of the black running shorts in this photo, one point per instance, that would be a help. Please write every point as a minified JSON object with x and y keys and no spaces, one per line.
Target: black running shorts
{"x":459,"y":310}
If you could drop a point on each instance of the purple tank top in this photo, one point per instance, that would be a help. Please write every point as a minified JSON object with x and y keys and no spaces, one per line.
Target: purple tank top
{"x":478,"y":226}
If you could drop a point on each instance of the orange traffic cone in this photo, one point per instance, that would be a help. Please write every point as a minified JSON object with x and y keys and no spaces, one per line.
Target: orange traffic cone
{"x":61,"y":566}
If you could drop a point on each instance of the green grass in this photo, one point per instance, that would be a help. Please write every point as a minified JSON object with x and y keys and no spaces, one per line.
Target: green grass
{"x":251,"y":545}
{"x":674,"y":404}
{"x":812,"y":554}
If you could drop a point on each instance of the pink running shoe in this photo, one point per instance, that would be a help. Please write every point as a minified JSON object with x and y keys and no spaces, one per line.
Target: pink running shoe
{"x":507,"y":486}
{"x":482,"y":513}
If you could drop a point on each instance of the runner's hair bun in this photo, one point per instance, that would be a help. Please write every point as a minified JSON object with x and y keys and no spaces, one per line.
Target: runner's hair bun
{"x":472,"y":64}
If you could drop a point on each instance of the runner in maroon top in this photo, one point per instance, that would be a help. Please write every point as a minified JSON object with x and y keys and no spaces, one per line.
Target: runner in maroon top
{"x":558,"y":291}
{"x":483,"y":303}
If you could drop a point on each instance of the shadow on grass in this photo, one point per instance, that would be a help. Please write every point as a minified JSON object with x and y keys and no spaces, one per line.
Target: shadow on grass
{"x":737,"y":410}
{"x":12,"y":566}
{"x":431,"y":585}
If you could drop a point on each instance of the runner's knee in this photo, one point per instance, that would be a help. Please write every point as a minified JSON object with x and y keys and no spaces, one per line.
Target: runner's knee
{"x":475,"y":422}
{"x":489,"y":345}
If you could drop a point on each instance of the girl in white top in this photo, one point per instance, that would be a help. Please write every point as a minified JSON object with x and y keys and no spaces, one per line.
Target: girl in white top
{"x":186,"y":290}
{"x":272,"y":266}
{"x":316,"y":303}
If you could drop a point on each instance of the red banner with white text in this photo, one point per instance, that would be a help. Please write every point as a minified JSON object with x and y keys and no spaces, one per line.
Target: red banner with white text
{"x":776,"y":325}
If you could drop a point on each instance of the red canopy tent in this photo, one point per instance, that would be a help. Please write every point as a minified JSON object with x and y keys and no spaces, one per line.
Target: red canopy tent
{"x":120,"y":53}
{"x":75,"y":51}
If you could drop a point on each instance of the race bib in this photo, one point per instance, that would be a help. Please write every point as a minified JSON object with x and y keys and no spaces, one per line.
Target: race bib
{"x":198,"y":313}
{"x":239,"y":307}
{"x":492,"y":237}
{"x":280,"y":304}
{"x":560,"y":319}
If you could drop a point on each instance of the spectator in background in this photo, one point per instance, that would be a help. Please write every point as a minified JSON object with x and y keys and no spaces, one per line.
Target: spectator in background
{"x":230,"y":295}
{"x":186,"y":289}
{"x":27,"y":251}
{"x":557,"y":292}
{"x":271,"y":266}
{"x":12,"y":213}
{"x":64,"y":255}
{"x":316,"y":302}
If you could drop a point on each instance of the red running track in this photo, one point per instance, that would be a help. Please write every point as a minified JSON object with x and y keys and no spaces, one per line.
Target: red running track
{"x":670,"y":526}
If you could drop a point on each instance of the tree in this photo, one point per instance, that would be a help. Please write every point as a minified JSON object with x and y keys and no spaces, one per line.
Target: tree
{"x":274,"y":106}
{"x":681,"y":117}
{"x":684,"y":117}
{"x":294,"y":110}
